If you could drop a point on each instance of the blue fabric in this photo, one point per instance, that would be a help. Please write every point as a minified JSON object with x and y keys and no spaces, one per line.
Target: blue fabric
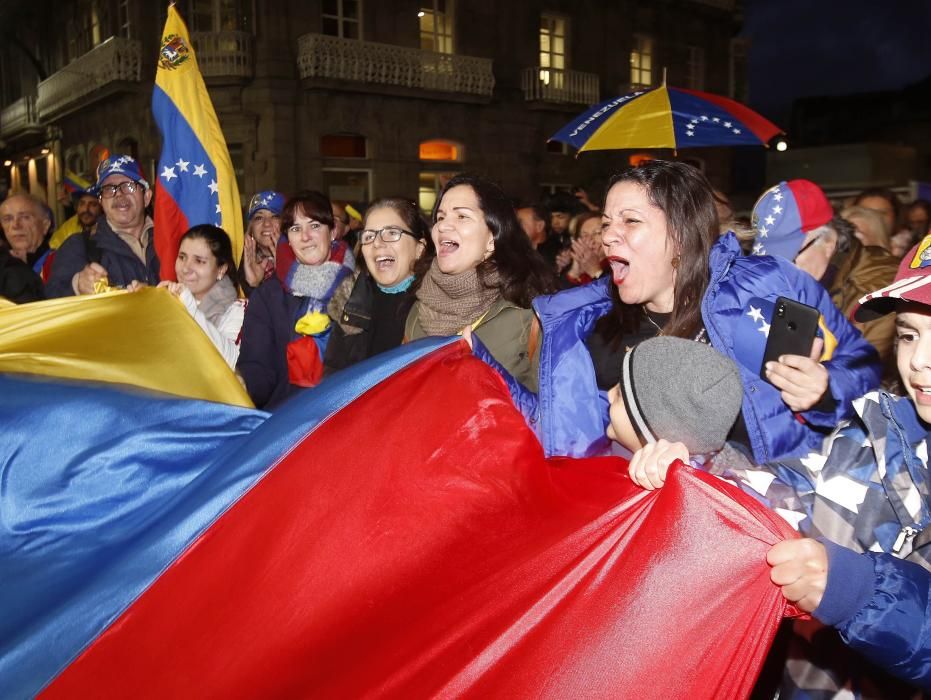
{"x":892,"y":628}
{"x":400,"y":287}
{"x":573,"y":413}
{"x":121,"y":263}
{"x":849,"y":586}
{"x":88,"y":523}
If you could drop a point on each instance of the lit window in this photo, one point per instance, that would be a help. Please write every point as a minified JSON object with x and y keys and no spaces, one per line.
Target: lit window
{"x":436,"y":25}
{"x":343,"y":18}
{"x":552,"y":49}
{"x":343,"y":146}
{"x":441,"y":150}
{"x":641,"y":62}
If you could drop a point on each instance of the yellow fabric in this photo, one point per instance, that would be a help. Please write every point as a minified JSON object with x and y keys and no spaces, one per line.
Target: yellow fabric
{"x":312,"y":323}
{"x":645,"y":122}
{"x":144,"y":339}
{"x":63,"y":232}
{"x":184,"y":85}
{"x":830,"y":342}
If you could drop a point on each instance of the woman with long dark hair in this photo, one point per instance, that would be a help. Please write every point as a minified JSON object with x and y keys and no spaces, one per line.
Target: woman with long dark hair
{"x":207,"y":286}
{"x":484,"y":275}
{"x":672,"y":275}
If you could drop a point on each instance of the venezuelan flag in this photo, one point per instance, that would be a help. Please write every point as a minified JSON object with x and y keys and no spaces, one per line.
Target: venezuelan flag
{"x":393,"y":533}
{"x":196,"y":181}
{"x":72,"y":182}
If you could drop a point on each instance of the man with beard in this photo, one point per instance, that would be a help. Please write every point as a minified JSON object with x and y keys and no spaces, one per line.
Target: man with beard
{"x":121,"y":251}
{"x":87,"y":211}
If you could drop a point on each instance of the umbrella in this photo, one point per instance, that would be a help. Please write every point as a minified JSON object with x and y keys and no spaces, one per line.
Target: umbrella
{"x":666,"y":117}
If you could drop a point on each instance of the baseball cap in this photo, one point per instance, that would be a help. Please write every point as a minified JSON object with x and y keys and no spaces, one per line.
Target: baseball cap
{"x":785,"y":213}
{"x":268,"y":199}
{"x":912,"y":283}
{"x":119,"y":165}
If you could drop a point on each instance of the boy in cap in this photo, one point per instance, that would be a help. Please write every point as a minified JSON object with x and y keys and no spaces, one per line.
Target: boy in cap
{"x":868,"y":495}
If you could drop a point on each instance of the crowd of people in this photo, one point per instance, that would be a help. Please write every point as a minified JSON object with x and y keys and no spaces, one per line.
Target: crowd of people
{"x":637,"y":326}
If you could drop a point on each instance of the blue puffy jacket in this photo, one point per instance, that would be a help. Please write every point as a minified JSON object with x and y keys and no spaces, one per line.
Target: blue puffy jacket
{"x":570,"y":413}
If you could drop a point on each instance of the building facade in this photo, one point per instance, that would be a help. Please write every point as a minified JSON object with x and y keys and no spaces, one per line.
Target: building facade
{"x":358,"y":98}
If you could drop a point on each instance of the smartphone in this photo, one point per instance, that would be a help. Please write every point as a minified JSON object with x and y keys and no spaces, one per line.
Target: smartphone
{"x":792,"y":331}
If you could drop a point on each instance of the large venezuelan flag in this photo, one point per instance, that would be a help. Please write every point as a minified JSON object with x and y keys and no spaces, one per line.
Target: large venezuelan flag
{"x":196,"y":181}
{"x":393,"y":533}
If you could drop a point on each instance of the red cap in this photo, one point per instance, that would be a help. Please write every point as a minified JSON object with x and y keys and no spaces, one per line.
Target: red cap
{"x":912,"y":283}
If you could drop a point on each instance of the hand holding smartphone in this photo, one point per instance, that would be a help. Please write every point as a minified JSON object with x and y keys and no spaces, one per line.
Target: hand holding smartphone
{"x":792,"y":331}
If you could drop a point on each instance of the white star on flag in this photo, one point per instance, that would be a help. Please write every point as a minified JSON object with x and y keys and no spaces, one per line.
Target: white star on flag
{"x":168,"y":173}
{"x":218,"y":209}
{"x":778,"y":196}
{"x":755,"y":313}
{"x":736,"y":131}
{"x":715,"y":120}
{"x":704,"y":118}
{"x":777,"y":209}
{"x":764,"y":232}
{"x":727,"y":125}
{"x":764,"y":329}
{"x":758,"y":249}
{"x":182,"y":165}
{"x":689,"y":133}
{"x":770,"y":220}
{"x":199,"y":170}
{"x":213,"y":187}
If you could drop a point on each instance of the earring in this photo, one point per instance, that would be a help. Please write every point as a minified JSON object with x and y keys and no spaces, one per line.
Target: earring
{"x":219,"y":277}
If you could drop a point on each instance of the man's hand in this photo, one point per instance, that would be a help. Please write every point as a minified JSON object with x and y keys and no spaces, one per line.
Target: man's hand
{"x":650,"y":463}
{"x":800,"y":569}
{"x":89,"y":276}
{"x":802,"y":381}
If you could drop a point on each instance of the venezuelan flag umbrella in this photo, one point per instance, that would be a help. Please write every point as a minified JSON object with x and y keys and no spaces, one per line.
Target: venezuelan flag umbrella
{"x":666,"y":117}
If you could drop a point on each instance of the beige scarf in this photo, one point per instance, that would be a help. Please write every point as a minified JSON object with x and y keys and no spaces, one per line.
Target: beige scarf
{"x":449,"y":303}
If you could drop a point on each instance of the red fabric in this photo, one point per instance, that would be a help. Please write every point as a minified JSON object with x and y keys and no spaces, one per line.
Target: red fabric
{"x":305,"y":368}
{"x":418,"y":545}
{"x":170,"y":224}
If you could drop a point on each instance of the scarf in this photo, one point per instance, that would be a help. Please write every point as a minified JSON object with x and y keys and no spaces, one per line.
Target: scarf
{"x":217,"y":300}
{"x":315,"y":283}
{"x":449,"y":303}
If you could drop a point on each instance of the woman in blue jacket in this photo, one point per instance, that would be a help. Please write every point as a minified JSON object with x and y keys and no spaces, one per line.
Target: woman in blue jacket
{"x":672,"y":275}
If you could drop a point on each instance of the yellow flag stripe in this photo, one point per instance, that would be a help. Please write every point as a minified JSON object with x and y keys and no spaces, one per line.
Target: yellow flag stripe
{"x":645,"y":122}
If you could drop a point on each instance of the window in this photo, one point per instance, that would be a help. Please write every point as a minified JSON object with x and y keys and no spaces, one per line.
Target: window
{"x":641,"y":62}
{"x":343,"y":18}
{"x":695,"y":68}
{"x":738,"y":70}
{"x":441,"y":150}
{"x":436,"y":25}
{"x":124,"y":25}
{"x":353,"y":186}
{"x":429,"y":186}
{"x":552,"y":49}
{"x":216,"y":15}
{"x":343,"y":146}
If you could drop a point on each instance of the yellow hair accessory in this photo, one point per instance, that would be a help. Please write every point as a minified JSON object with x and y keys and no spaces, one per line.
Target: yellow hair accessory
{"x":312,"y":323}
{"x":351,"y":210}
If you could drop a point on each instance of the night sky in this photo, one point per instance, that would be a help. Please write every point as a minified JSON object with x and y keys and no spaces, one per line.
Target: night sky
{"x":803,"y":48}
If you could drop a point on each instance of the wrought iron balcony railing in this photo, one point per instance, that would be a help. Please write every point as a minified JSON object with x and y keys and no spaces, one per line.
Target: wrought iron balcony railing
{"x":114,"y":61}
{"x":322,"y":56}
{"x":558,"y":85}
{"x":224,"y":54}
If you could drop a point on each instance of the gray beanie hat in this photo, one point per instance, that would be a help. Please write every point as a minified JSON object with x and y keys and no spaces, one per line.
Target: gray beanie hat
{"x":681,"y":390}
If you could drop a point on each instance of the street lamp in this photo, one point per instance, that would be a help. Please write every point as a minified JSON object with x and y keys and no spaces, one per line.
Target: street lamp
{"x":782,"y":145}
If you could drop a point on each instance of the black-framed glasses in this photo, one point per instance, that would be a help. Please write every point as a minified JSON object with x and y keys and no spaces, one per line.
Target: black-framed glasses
{"x":388,"y":234}
{"x":127,"y":187}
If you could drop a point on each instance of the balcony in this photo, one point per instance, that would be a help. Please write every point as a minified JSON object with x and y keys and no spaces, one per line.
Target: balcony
{"x":554,"y":85}
{"x":102,"y":70}
{"x":330,"y":58}
{"x":224,"y":55}
{"x":21,"y":117}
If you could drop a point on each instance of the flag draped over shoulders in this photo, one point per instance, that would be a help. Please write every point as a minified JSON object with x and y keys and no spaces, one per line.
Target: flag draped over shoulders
{"x":196,"y":181}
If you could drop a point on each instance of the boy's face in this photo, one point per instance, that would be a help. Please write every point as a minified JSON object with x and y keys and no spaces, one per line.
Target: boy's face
{"x":620,"y":428}
{"x":913,"y":355}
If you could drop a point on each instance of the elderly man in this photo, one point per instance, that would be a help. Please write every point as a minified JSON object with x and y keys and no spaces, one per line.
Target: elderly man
{"x":795,"y":220}
{"x":121,"y":251}
{"x":25,"y":221}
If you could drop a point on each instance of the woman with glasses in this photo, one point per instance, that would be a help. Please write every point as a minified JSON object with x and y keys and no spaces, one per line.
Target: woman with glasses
{"x":371,"y":320}
{"x":208,"y":288}
{"x":483,"y":275}
{"x":290,"y":316}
